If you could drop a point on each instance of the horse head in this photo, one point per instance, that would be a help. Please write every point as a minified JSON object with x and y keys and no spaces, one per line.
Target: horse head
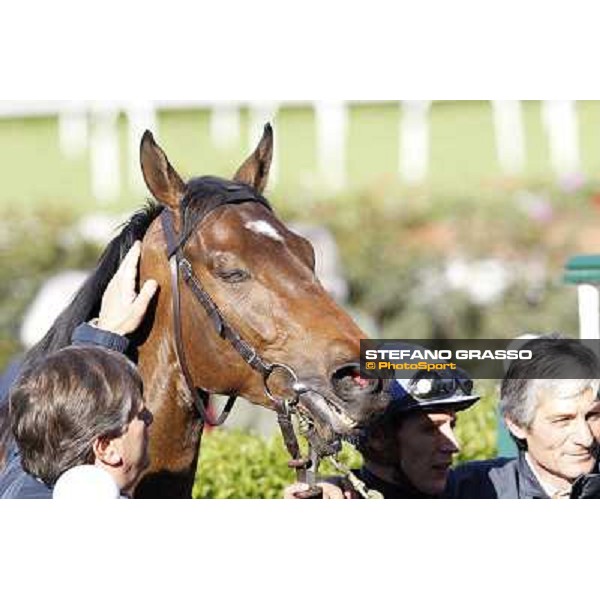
{"x":261,"y":277}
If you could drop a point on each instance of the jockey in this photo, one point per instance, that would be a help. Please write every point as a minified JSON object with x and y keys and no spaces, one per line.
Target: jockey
{"x":408,"y":451}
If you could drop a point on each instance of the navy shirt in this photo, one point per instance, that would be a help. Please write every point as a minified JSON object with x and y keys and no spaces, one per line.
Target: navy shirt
{"x":390,"y":491}
{"x":14,"y":481}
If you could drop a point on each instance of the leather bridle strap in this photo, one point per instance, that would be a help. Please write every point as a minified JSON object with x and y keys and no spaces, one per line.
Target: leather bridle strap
{"x":179,"y":264}
{"x":199,"y":397}
{"x":223,"y":329}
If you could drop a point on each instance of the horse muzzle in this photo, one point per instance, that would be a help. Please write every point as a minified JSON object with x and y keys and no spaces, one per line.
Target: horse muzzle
{"x":345,"y":404}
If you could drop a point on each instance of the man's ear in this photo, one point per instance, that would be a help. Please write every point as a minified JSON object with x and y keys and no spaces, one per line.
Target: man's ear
{"x":518,"y":431}
{"x":107,"y":451}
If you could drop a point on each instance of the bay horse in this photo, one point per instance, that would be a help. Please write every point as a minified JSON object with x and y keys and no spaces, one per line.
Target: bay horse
{"x":238,"y":298}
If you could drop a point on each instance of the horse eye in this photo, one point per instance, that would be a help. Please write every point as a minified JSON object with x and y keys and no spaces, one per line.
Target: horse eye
{"x":233,"y":275}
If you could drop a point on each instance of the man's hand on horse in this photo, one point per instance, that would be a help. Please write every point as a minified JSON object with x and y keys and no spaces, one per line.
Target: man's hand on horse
{"x":122,"y":308}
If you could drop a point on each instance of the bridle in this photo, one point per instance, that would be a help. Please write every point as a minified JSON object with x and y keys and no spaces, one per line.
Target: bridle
{"x":180,"y":267}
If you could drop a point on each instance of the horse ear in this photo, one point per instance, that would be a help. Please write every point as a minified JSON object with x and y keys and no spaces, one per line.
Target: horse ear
{"x":255,"y":170}
{"x":160,"y":177}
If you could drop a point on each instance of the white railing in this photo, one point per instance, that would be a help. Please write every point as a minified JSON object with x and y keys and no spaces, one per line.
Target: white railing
{"x":94,"y":126}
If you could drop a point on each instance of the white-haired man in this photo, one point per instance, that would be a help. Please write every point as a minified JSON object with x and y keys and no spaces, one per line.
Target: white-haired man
{"x":551,"y":407}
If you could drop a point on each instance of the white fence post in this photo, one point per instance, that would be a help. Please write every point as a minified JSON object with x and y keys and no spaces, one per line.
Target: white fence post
{"x":588,"y":298}
{"x":510,"y":138}
{"x":332,"y":126}
{"x":73,"y":130}
{"x":414,"y":141}
{"x":560,"y":121}
{"x":584,"y":271}
{"x":104,"y":154}
{"x":224,"y":126}
{"x":140,"y":117}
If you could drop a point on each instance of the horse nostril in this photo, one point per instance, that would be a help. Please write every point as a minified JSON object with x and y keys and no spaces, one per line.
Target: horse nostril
{"x":349,"y":384}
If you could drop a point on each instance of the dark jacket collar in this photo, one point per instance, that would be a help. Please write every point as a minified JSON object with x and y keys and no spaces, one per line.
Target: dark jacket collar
{"x":527,"y":483}
{"x":586,"y":486}
{"x":404,"y":490}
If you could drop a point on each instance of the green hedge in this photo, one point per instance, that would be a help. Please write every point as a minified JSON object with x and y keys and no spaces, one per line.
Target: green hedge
{"x":237,"y":464}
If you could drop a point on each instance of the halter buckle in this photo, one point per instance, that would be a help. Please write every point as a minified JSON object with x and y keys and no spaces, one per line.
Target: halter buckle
{"x":186,"y":269}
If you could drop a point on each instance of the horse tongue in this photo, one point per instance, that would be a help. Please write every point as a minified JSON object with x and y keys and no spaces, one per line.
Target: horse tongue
{"x":360,"y":381}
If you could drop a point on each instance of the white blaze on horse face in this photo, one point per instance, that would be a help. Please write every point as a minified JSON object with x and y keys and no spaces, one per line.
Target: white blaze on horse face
{"x":264,"y":228}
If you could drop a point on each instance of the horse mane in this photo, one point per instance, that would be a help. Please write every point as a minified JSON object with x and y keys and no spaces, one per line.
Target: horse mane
{"x":86,"y":303}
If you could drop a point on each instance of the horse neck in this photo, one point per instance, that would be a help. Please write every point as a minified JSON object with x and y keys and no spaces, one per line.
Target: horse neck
{"x":166,"y":392}
{"x":175,"y":432}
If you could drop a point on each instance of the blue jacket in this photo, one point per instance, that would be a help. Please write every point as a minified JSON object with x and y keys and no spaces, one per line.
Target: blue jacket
{"x":14,"y":481}
{"x":504,"y":478}
{"x":496,"y":478}
{"x":390,"y":491}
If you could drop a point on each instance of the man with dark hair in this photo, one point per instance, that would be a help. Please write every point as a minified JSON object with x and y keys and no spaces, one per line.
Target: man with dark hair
{"x":551,"y":407}
{"x":408,"y":452}
{"x":81,"y":406}
{"x":121,"y":313}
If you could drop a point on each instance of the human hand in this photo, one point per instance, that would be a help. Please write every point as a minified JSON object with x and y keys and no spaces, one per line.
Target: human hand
{"x":123,"y":309}
{"x":330,"y":491}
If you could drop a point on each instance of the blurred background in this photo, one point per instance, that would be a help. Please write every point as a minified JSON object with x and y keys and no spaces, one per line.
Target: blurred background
{"x":430,"y":219}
